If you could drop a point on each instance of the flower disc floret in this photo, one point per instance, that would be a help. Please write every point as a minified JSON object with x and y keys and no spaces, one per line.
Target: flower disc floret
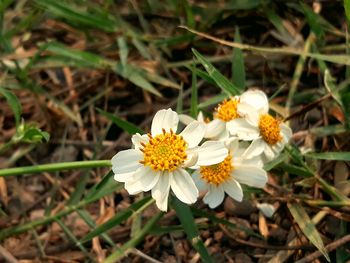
{"x":218,"y":173}
{"x":164,"y":152}
{"x":227,"y":110}
{"x":270,"y":129}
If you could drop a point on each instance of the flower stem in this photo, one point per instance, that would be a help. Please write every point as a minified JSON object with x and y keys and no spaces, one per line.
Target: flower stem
{"x":53,"y":167}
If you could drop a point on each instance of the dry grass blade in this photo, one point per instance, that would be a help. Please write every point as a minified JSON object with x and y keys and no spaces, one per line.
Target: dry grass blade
{"x":339,"y":59}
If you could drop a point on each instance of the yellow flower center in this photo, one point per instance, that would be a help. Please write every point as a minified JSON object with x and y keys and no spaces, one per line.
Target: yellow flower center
{"x":164,"y":152}
{"x":217,"y":173}
{"x":227,"y":110}
{"x":270,"y":129}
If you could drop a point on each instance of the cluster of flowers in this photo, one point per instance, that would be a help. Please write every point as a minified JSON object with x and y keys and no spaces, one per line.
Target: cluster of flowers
{"x":241,"y":137}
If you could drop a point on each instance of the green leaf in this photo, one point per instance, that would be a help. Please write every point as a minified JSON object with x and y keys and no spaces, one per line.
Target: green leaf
{"x":330,"y":85}
{"x":135,"y":75}
{"x":14,"y":103}
{"x":29,"y":133}
{"x":204,"y":75}
{"x":123,"y":50}
{"x":194,"y":95}
{"x":87,"y":58}
{"x":308,"y":227}
{"x":189,"y":14}
{"x":314,"y":20}
{"x":79,"y":16}
{"x":347,"y":9}
{"x":339,"y":156}
{"x":125,"y":125}
{"x":117,"y":219}
{"x":185,"y":216}
{"x":219,"y":79}
{"x":213,"y":100}
{"x":238,"y":71}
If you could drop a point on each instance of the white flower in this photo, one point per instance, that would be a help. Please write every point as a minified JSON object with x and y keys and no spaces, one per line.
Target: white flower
{"x":228,"y":175}
{"x":158,"y":160}
{"x":224,"y":113}
{"x":268,"y":135}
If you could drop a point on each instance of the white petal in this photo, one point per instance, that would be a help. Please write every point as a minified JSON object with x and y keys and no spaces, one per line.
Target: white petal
{"x":126,"y":161}
{"x":133,"y":186}
{"x":192,"y":158}
{"x":232,"y":144}
{"x":214,"y":196}
{"x":197,"y":178}
{"x":185,"y":119}
{"x":257,"y":99}
{"x":200,"y":117}
{"x":137,"y":139}
{"x":125,"y":177}
{"x":193,"y":133}
{"x":253,"y":118}
{"x":164,"y":119}
{"x":147,"y":177}
{"x":211,"y":152}
{"x":255,"y":161}
{"x":286,"y":132}
{"x":250,"y":175}
{"x":243,"y":129}
{"x":233,"y":189}
{"x":214,"y":128}
{"x":269,"y":153}
{"x":255,"y":148}
{"x":160,"y":192}
{"x":267,"y":209}
{"x":223,"y":135}
{"x":183,"y":186}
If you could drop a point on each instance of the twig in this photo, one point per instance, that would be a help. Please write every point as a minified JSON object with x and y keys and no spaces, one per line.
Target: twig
{"x":143,"y":255}
{"x":7,"y":255}
{"x":329,"y":247}
{"x":308,"y":107}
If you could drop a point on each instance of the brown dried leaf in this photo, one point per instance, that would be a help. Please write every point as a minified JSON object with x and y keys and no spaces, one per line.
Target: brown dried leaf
{"x":3,"y":191}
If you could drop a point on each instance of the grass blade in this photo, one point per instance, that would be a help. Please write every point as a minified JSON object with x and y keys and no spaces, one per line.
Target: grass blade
{"x":238,"y":71}
{"x":185,"y":215}
{"x":194,"y":95}
{"x":125,"y":125}
{"x":308,"y":227}
{"x":14,"y":103}
{"x":347,"y":9}
{"x":219,"y":79}
{"x":75,"y":15}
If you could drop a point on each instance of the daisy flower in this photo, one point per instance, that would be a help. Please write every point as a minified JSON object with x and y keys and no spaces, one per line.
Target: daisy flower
{"x":228,"y":175}
{"x":158,"y":160}
{"x":226,"y":112}
{"x":268,"y":134}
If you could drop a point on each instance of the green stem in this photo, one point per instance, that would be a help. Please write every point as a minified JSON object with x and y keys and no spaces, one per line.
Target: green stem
{"x":120,"y":252}
{"x":53,"y":167}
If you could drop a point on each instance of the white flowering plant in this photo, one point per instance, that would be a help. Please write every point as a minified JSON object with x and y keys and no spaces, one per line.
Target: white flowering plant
{"x":209,"y":157}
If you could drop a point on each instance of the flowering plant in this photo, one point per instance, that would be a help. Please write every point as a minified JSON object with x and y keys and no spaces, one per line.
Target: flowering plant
{"x":214,"y":151}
